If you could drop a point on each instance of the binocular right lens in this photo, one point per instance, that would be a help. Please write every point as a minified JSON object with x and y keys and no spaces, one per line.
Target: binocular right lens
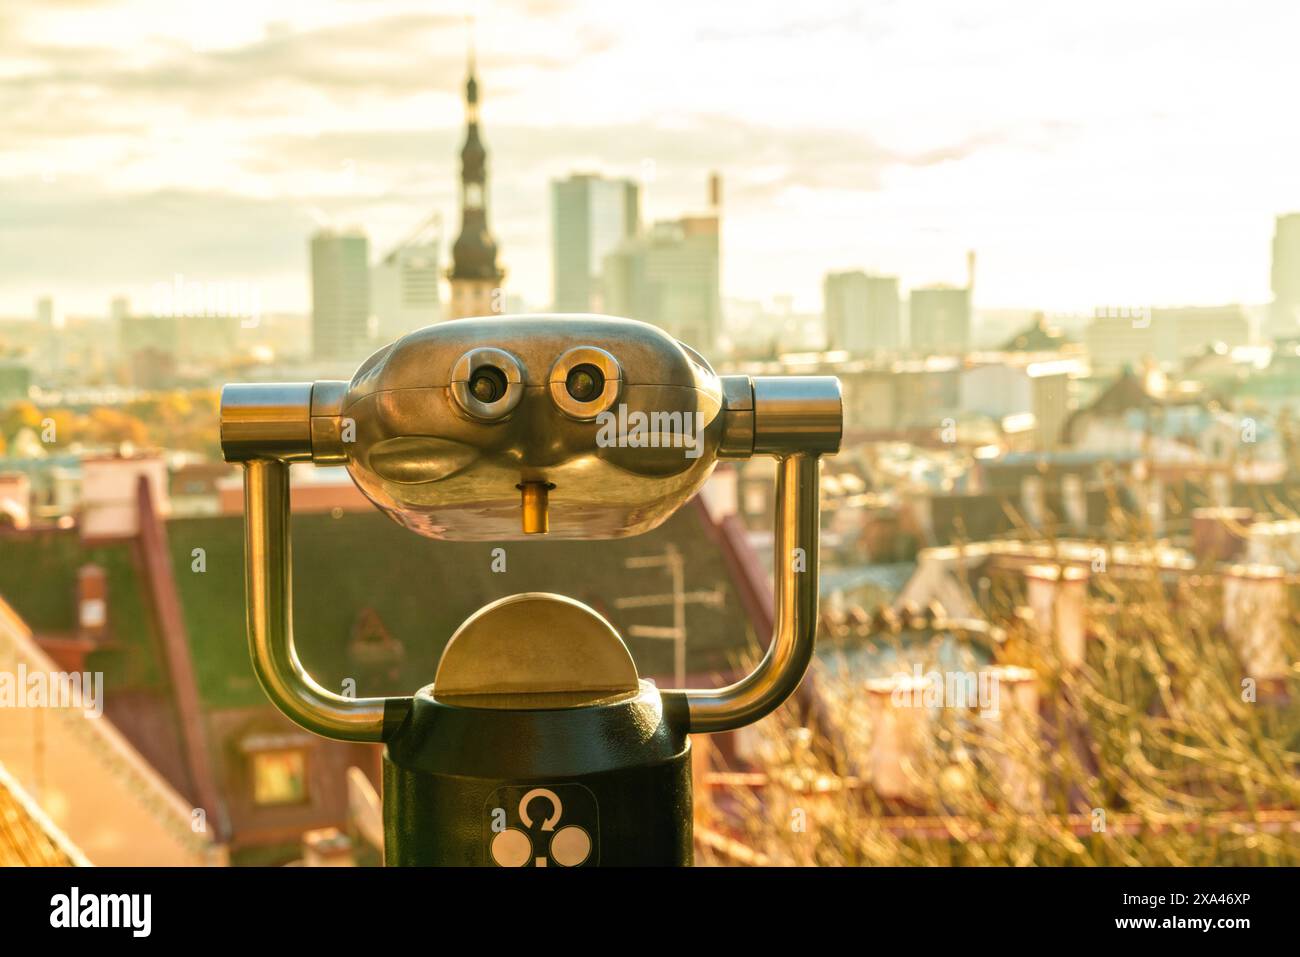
{"x":488,"y":384}
{"x":584,"y":382}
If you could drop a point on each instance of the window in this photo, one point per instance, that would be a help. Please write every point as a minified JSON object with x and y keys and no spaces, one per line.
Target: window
{"x":279,"y":777}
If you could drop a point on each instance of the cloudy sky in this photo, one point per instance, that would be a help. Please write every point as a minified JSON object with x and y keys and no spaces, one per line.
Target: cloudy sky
{"x":1103,"y":152}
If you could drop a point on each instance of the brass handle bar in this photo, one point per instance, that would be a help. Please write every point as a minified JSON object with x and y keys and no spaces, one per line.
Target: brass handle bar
{"x":267,"y":426}
{"x":267,"y":566}
{"x":795,"y":534}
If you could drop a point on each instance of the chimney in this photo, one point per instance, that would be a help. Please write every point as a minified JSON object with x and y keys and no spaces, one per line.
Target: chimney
{"x":1219,"y":534}
{"x":1009,"y":733}
{"x":715,"y":192}
{"x":109,"y":488}
{"x":1058,"y":602}
{"x":1155,"y":504}
{"x":1075,"y":500}
{"x":327,"y":847}
{"x":970,"y":270}
{"x":69,"y":651}
{"x":1274,"y":543}
{"x":1033,"y":502}
{"x":92,"y":602}
{"x":899,"y":732}
{"x":1221,"y":489}
{"x":1254,"y":614}
{"x":15,"y":500}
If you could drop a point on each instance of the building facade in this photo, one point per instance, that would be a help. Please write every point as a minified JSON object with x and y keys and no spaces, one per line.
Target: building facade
{"x":940,"y":320}
{"x":340,"y":294}
{"x":1117,"y":338}
{"x":671,"y":278}
{"x":590,"y":217}
{"x":862,"y":312}
{"x":405,"y":290}
{"x":1284,"y":319}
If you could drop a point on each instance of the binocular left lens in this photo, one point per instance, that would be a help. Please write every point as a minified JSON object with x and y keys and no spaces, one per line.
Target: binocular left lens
{"x":585,"y":383}
{"x":487,"y":384}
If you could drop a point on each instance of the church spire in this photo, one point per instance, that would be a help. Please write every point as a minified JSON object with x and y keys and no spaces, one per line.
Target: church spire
{"x":471,"y":81}
{"x":474,"y":274}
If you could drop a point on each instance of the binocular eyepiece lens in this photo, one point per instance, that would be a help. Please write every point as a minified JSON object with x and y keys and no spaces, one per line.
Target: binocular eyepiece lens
{"x":488,"y":384}
{"x":585,"y":383}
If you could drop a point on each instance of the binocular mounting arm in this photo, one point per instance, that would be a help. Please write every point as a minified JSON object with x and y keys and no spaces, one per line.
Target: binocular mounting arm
{"x":268,"y":568}
{"x":266,"y":427}
{"x":794,"y":569}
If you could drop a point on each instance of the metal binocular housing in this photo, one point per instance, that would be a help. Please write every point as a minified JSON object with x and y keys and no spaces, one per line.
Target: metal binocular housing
{"x":495,"y":429}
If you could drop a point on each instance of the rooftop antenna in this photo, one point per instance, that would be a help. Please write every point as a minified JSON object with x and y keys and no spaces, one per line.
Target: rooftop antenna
{"x":679,"y":598}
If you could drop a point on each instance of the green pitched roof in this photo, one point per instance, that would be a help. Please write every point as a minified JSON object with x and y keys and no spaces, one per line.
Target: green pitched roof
{"x":38,"y":578}
{"x":420,"y":589}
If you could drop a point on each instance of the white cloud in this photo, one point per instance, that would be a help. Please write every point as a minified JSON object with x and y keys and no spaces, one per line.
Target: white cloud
{"x":1108,"y":152}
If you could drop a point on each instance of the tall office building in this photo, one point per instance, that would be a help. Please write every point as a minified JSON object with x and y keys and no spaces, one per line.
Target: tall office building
{"x":940,"y":320}
{"x":150,"y":350}
{"x":1284,"y":318}
{"x":475,"y":277}
{"x":404,"y":289}
{"x":119,"y":307}
{"x":862,"y":312}
{"x":671,"y":277}
{"x":590,"y":217}
{"x":51,"y":348}
{"x":340,"y":294}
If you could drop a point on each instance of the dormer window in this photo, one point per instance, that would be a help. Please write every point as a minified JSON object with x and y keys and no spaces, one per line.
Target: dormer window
{"x":277,"y":769}
{"x":372,"y":647}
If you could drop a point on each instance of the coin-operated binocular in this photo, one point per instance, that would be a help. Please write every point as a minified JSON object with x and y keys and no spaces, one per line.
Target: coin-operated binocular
{"x":537,"y":743}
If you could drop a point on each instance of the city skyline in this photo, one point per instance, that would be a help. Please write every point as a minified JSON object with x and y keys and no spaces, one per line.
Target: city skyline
{"x":213,"y":146}
{"x":347,"y":521}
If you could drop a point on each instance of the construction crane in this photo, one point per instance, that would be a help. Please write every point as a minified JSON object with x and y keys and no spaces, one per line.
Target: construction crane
{"x":430,"y":229}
